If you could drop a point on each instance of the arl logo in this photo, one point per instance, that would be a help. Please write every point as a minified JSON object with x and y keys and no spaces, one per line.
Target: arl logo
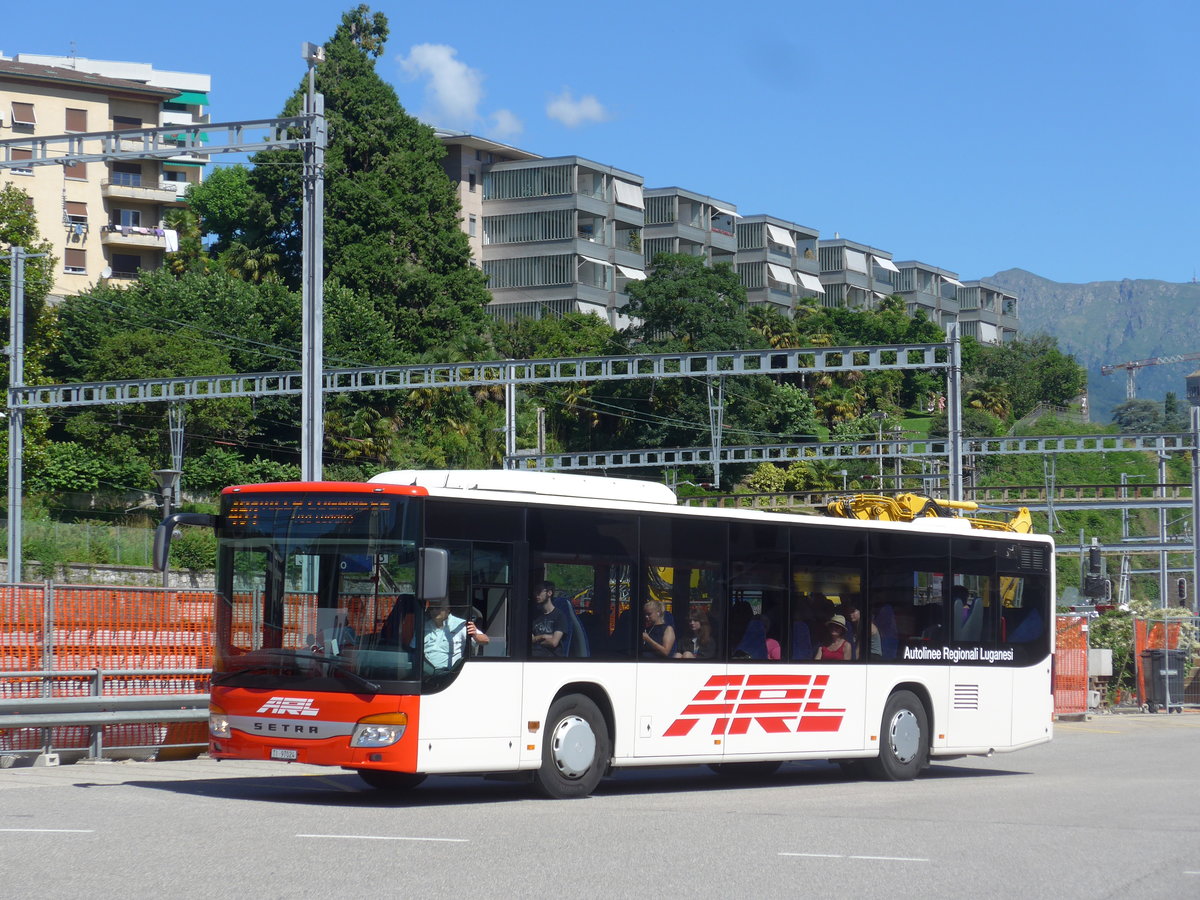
{"x":289,"y":706}
{"x":780,"y":704}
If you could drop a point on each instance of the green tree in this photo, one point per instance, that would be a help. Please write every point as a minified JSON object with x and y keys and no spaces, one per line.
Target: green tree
{"x":1138,"y":416}
{"x":230,"y":209}
{"x":392,"y":216}
{"x":685,"y":304}
{"x":191,"y":255}
{"x":1034,"y":371}
{"x":19,"y":228}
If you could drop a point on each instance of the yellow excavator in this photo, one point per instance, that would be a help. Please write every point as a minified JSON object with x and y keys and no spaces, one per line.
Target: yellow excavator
{"x":907,"y":507}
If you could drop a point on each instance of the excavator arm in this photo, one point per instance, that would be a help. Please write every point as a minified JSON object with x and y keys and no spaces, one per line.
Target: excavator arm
{"x":907,"y":507}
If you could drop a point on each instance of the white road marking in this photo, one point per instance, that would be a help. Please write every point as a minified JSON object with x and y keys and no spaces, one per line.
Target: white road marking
{"x":844,"y":856}
{"x":893,"y":858}
{"x":384,"y":837}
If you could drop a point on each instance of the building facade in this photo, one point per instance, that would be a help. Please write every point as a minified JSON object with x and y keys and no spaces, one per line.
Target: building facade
{"x":681,"y":221}
{"x":104,"y":220}
{"x":855,"y":276}
{"x":928,"y":289}
{"x":988,"y":313}
{"x":554,"y":236}
{"x":777,"y":262}
{"x":569,"y":235}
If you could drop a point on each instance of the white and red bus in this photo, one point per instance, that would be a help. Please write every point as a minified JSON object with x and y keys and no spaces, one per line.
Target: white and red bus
{"x":733,"y":638}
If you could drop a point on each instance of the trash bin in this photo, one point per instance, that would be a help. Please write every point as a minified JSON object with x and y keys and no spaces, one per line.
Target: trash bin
{"x":1163,"y":672}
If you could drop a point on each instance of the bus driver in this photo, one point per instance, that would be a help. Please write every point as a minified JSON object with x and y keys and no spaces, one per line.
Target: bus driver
{"x":446,"y":636}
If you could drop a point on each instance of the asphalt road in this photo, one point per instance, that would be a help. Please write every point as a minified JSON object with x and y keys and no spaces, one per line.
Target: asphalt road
{"x":1110,"y":809}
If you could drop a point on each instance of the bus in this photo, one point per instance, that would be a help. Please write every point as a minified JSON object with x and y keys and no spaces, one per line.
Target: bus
{"x":559,"y":626}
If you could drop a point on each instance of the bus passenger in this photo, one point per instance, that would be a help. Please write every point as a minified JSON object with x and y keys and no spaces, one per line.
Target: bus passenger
{"x":549,"y":623}
{"x":657,"y":636}
{"x":854,"y":629}
{"x":836,"y":647}
{"x":699,"y":642}
{"x":446,"y":635}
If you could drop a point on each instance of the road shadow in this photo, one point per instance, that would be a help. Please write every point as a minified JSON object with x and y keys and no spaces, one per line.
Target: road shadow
{"x":346,"y":790}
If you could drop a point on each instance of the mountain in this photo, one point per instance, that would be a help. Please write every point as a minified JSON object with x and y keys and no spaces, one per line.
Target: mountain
{"x":1107,"y":322}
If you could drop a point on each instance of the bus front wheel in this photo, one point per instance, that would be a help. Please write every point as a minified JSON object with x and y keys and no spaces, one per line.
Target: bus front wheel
{"x":903,"y":739}
{"x":574,"y":749}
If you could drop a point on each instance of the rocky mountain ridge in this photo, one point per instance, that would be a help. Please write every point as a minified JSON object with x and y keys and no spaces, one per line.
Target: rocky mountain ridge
{"x":1108,"y":322}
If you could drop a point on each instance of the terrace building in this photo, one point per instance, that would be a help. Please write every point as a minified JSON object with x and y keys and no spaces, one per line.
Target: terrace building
{"x":553,"y":235}
{"x":777,"y":262}
{"x":855,"y":276}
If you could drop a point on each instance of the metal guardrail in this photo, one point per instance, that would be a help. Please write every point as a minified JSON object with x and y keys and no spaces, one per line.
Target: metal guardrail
{"x":96,"y":710}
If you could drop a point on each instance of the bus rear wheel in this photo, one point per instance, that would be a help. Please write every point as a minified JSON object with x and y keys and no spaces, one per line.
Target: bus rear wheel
{"x":395,"y":782}
{"x":575,"y":749}
{"x":903,"y":739}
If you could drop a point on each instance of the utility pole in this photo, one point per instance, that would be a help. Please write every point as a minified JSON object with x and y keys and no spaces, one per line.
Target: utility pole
{"x":312,"y":352}
{"x":954,"y":412}
{"x":16,"y":416}
{"x":716,"y":423}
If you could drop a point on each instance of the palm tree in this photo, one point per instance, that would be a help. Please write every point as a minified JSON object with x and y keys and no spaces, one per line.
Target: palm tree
{"x":990,"y":395}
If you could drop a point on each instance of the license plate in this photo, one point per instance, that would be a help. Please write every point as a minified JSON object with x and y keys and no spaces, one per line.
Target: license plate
{"x":285,"y":754}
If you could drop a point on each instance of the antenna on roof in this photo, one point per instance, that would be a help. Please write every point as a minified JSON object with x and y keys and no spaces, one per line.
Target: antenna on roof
{"x":73,"y":51}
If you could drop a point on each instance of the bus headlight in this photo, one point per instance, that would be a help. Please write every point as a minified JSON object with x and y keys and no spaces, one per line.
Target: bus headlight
{"x":379,"y":731}
{"x":218,"y":724}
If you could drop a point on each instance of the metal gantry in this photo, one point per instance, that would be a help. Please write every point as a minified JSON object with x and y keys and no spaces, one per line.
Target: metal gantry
{"x":306,"y":132}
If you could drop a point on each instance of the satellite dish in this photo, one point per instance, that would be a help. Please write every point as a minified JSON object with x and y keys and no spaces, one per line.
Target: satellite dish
{"x":106,"y":272}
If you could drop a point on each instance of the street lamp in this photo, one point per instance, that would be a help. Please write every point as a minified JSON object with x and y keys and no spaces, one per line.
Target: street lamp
{"x":168,"y":481}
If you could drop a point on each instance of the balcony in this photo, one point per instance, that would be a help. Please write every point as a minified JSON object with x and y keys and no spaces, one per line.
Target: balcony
{"x":132,"y":188}
{"x":132,"y":236}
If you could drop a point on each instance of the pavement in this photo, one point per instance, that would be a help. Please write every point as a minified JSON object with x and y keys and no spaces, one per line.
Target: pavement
{"x":23,"y":773}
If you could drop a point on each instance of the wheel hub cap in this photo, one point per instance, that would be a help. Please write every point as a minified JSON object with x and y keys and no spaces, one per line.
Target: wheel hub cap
{"x":573,"y":747}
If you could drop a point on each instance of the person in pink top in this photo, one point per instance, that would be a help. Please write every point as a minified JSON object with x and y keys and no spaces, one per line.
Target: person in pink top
{"x":836,"y":647}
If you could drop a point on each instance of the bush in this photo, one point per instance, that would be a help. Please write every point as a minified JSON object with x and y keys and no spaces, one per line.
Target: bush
{"x":194,"y":549}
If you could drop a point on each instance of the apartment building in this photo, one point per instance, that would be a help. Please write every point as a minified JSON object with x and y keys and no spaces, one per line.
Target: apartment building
{"x":928,"y":289}
{"x":681,"y":221}
{"x":553,"y":235}
{"x":855,"y":276}
{"x":467,"y":156}
{"x":777,"y":262}
{"x":567,"y":234}
{"x":987,"y":312}
{"x":104,"y":220}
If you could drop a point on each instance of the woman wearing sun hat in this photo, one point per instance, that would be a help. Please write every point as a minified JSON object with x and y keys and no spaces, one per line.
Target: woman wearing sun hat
{"x":836,"y":647}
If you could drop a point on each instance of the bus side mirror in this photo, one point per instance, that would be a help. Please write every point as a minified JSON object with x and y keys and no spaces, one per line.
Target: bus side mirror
{"x":435,"y":574}
{"x":162,"y":534}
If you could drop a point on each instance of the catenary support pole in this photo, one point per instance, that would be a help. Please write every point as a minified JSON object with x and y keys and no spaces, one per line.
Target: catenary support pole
{"x":312,"y":419}
{"x":16,"y":416}
{"x":954,"y":412}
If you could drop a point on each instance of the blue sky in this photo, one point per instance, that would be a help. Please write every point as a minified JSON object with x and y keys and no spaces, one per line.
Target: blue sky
{"x":1056,"y":136}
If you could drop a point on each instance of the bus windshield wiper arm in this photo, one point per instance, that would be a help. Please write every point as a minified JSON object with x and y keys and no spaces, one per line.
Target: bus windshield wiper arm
{"x":335,"y":665}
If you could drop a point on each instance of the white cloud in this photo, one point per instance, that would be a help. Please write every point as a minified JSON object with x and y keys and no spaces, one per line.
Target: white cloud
{"x":572,"y":113}
{"x":454,"y":90}
{"x":505,"y":124}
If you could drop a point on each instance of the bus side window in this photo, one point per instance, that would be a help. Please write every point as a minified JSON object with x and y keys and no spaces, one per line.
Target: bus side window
{"x":491,"y":608}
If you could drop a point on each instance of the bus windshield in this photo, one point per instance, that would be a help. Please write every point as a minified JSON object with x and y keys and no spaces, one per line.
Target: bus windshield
{"x":317,"y":591}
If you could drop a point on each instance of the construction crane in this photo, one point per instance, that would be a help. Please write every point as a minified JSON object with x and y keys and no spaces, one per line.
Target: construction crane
{"x":1131,"y":368}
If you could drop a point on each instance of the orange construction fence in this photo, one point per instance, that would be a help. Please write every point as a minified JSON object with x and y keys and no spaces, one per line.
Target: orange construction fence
{"x":1071,"y":665}
{"x":72,"y":627}
{"x":61,"y":627}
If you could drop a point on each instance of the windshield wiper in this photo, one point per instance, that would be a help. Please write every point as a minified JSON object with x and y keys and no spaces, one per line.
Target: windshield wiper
{"x":335,"y":665}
